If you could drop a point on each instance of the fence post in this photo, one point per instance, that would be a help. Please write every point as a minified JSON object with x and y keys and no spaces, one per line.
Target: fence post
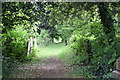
{"x":116,"y":73}
{"x":30,"y":43}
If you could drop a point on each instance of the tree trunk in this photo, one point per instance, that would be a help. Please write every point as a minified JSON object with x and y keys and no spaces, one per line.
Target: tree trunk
{"x":107,"y":22}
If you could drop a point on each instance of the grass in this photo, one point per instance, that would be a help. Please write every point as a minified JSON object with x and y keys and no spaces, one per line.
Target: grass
{"x":52,"y":50}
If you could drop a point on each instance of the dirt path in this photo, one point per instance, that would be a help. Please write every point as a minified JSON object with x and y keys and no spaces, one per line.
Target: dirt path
{"x":49,"y":68}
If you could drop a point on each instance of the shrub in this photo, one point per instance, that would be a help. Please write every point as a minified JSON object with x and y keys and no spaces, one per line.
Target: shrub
{"x":15,"y":43}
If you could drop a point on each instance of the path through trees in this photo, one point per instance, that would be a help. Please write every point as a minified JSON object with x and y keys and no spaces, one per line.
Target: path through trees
{"x":89,"y":31}
{"x":48,"y":68}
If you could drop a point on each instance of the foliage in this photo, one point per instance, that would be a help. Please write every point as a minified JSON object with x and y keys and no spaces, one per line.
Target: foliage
{"x":17,"y":46}
{"x":14,"y":49}
{"x":16,"y":29}
{"x":91,"y":29}
{"x":102,"y":51}
{"x":43,"y":38}
{"x":33,"y":55}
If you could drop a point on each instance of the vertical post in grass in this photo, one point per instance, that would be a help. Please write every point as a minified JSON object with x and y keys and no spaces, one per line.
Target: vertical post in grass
{"x":30,"y":43}
{"x":116,"y":73}
{"x":118,"y":64}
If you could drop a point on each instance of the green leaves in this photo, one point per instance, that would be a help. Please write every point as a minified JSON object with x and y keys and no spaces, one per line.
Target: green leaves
{"x":17,"y":45}
{"x":74,"y":22}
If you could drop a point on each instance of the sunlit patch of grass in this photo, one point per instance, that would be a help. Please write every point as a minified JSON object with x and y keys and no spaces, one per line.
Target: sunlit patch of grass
{"x":65,"y":53}
{"x":51,"y":50}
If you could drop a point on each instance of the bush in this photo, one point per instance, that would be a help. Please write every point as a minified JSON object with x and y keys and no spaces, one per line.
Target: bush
{"x":15,"y":43}
{"x":14,"y":48}
{"x":102,"y":54}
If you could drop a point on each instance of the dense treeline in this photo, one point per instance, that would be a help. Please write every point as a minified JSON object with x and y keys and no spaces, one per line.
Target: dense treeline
{"x":90,"y":29}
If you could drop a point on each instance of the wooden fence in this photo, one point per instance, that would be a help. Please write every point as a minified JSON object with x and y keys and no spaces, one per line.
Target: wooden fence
{"x":32,"y":43}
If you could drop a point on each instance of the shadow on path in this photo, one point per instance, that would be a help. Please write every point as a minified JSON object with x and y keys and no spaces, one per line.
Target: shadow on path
{"x":48,"y":68}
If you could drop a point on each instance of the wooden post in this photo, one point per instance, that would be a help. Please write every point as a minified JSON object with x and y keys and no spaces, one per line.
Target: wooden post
{"x":28,"y":48}
{"x":30,"y":43}
{"x":116,"y":73}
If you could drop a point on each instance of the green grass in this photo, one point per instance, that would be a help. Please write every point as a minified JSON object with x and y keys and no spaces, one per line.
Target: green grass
{"x":52,"y":50}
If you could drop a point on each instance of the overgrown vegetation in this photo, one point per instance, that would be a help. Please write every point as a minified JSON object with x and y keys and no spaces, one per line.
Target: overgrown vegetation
{"x":90,"y":30}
